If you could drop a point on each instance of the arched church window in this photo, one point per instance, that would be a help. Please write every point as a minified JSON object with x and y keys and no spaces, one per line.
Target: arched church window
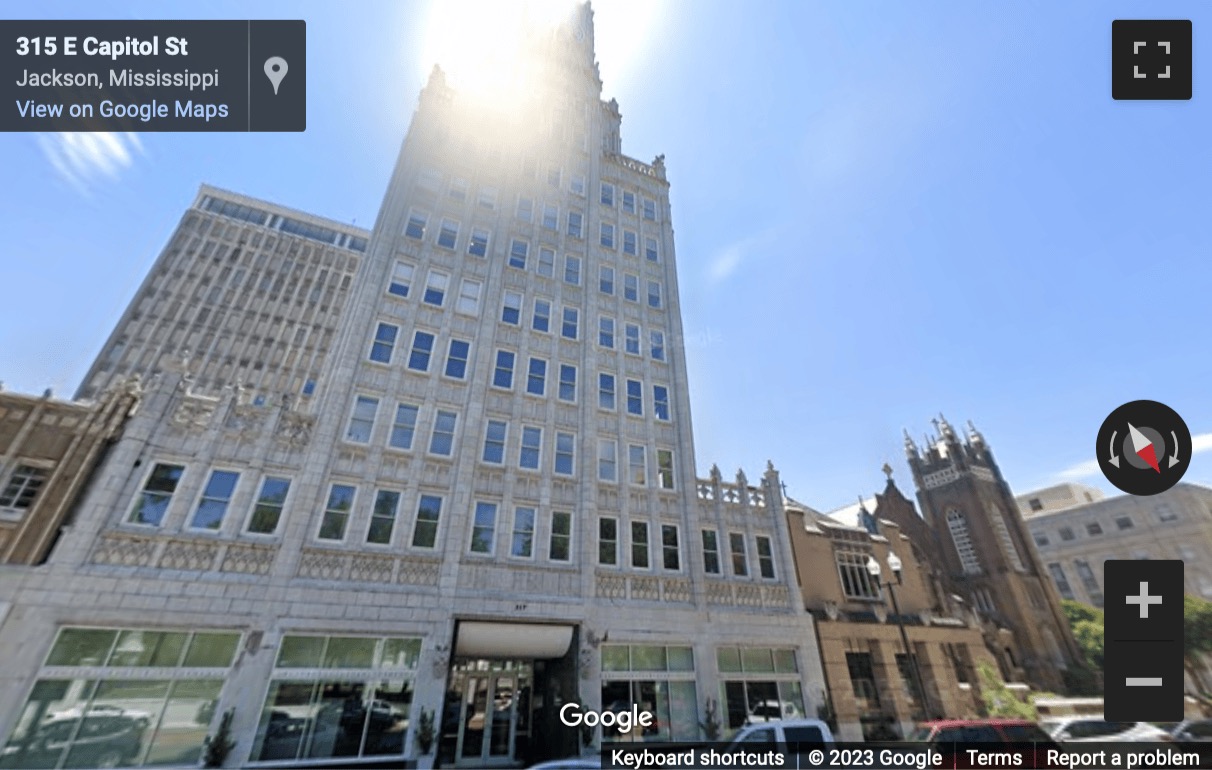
{"x":957,"y":523}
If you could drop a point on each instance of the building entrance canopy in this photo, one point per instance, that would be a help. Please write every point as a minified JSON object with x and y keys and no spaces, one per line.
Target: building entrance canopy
{"x":512,"y":640}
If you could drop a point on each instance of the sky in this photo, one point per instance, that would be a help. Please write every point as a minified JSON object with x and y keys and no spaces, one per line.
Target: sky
{"x":883,"y":211}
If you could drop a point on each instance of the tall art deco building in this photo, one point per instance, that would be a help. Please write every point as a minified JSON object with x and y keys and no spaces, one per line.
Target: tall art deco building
{"x":444,"y":469}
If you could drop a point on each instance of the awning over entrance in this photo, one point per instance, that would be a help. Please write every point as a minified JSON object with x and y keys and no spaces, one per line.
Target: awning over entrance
{"x":512,"y":640}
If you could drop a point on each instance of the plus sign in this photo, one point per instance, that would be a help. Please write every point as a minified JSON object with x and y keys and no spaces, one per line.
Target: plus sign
{"x":1144,"y":600}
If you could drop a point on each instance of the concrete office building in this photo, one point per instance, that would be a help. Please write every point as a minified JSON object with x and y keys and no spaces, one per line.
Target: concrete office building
{"x":1056,"y":497}
{"x":245,"y":292}
{"x":485,"y":507}
{"x":1074,"y":541}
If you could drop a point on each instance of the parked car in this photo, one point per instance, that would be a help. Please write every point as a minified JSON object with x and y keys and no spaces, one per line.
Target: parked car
{"x":1086,"y":729}
{"x":981,"y":731}
{"x":104,"y":736}
{"x":771,"y":711}
{"x":784,"y":731}
{"x":571,"y":763}
{"x":945,"y":734}
{"x":1193,"y":731}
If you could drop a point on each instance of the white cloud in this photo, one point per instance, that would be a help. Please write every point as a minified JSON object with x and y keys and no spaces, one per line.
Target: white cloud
{"x":1201,"y":442}
{"x":85,"y":158}
{"x":725,"y":263}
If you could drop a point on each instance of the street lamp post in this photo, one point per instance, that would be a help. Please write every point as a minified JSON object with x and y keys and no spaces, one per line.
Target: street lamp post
{"x":874,"y":570}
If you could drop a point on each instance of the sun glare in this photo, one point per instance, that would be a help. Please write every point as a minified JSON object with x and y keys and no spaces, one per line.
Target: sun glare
{"x":480,"y":43}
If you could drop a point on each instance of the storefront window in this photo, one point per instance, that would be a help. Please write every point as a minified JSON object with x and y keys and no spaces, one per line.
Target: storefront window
{"x":338,"y":696}
{"x":656,"y":678}
{"x":759,"y":684}
{"x":145,"y":702}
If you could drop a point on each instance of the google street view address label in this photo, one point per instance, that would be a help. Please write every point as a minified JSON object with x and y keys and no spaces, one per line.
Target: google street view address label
{"x":169,"y":75}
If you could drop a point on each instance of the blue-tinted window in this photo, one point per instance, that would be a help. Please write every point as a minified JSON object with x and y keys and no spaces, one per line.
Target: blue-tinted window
{"x":532,"y":441}
{"x":606,"y":332}
{"x":654,"y":294}
{"x":385,"y":342}
{"x":456,"y":359}
{"x":442,"y":440}
{"x":416,"y":225}
{"x":572,"y":270}
{"x":401,"y":279}
{"x":478,"y":245}
{"x":542,"y":316}
{"x":536,"y":377}
{"x":215,"y":498}
{"x":606,"y":391}
{"x":569,"y":328}
{"x":494,"y":442}
{"x":660,"y":402}
{"x":564,"y":453}
{"x":448,"y":234}
{"x":404,"y":427}
{"x":518,"y":251}
{"x":511,"y":308}
{"x":502,"y":375}
{"x":635,"y":397}
{"x":422,"y":348}
{"x":568,"y":382}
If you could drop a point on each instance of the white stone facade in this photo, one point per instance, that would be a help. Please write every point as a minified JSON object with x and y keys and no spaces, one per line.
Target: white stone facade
{"x":426,"y":485}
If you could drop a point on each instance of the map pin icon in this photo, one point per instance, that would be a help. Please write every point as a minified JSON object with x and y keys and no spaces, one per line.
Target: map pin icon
{"x":275,"y":70}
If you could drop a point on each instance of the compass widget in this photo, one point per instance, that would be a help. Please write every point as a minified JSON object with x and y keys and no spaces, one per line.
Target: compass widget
{"x":1144,"y":447}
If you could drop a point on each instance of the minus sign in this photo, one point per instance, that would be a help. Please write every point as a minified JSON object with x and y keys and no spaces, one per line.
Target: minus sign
{"x":1142,"y":640}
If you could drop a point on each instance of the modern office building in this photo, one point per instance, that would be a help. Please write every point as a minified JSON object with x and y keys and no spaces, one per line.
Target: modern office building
{"x":1074,"y":542}
{"x":1056,"y":497}
{"x":245,"y":292}
{"x":444,"y":477}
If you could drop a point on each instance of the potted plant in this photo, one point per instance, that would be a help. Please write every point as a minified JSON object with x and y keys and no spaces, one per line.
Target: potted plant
{"x":425,"y":732}
{"x":711,"y":721}
{"x":216,"y":747}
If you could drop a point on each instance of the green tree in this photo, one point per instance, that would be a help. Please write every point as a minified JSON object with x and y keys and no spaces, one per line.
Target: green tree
{"x":1076,"y":611}
{"x":1086,"y":623}
{"x":1197,"y":631}
{"x":1000,"y":701}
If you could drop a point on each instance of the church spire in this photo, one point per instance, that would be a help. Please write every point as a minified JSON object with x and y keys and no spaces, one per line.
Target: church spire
{"x":978,"y":441}
{"x":945,"y":431}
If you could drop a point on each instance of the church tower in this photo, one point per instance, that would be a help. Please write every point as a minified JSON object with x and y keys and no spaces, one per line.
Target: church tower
{"x":986,"y":557}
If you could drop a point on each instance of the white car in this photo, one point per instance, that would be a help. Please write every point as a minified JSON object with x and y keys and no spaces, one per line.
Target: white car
{"x":1087,"y":729}
{"x":571,"y":763}
{"x":1193,"y":731}
{"x":771,"y":711}
{"x":784,"y":731}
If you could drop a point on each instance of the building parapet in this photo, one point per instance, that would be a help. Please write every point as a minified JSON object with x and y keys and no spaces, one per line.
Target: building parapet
{"x":739,"y":493}
{"x":655,"y":170}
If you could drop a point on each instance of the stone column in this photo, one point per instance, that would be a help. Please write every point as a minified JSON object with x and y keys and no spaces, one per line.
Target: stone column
{"x":937,"y":679}
{"x":890,"y":684}
{"x":845,"y":707}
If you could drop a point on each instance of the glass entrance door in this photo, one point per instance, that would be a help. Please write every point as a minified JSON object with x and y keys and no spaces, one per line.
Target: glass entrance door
{"x":493,"y":706}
